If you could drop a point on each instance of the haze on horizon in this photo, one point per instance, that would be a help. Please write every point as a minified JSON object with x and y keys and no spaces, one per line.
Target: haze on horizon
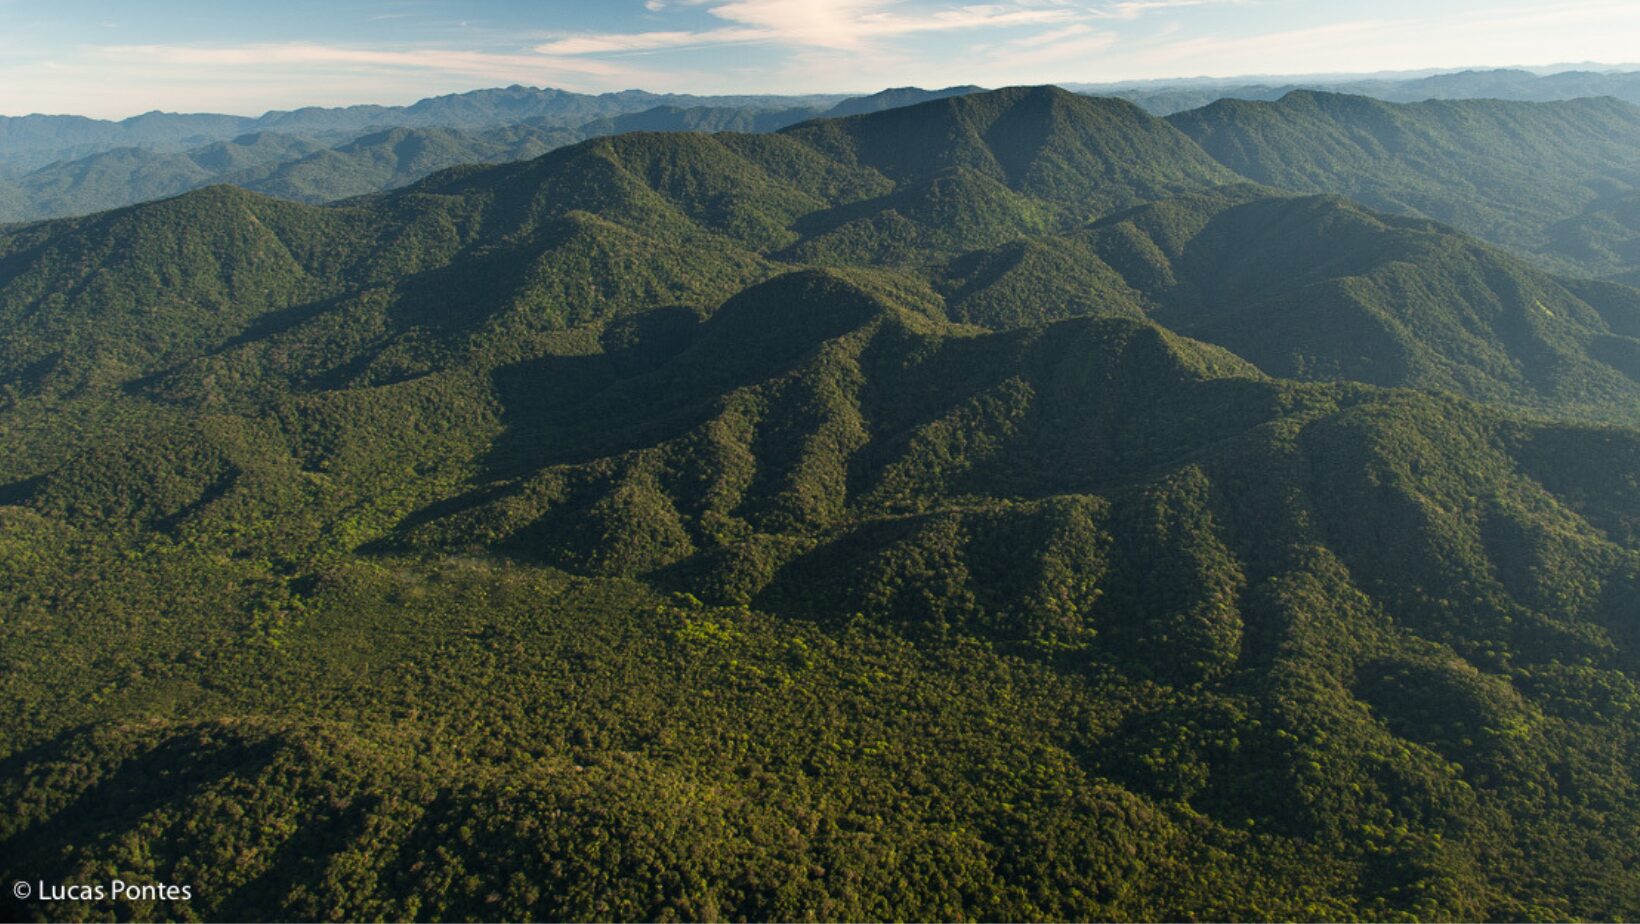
{"x":110,"y":59}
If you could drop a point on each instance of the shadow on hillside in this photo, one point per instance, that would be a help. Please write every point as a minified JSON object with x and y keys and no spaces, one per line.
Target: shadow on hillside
{"x":542,"y":397}
{"x":171,"y":772}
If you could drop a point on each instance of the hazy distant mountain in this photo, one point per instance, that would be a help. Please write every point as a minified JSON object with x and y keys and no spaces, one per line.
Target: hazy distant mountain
{"x":699,"y":119}
{"x":1165,"y":99}
{"x":127,"y":175}
{"x":37,"y":139}
{"x":752,"y":119}
{"x":394,"y":158}
{"x":382,"y":159}
{"x":895,"y":98}
{"x":31,"y":141}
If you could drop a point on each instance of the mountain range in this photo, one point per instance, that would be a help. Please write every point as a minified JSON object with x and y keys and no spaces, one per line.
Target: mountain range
{"x":1011,"y":505}
{"x":319,"y":155}
{"x":1168,"y":97}
{"x":30,"y":135}
{"x":1552,"y":181}
{"x":1529,"y":176}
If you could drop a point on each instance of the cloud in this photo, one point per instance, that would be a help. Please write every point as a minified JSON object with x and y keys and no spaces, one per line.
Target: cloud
{"x":1133,"y":9}
{"x":1054,"y":48}
{"x":835,"y":24}
{"x":1049,"y":37}
{"x":1500,"y":35}
{"x":617,"y":42}
{"x":480,"y":64}
{"x":118,"y":80}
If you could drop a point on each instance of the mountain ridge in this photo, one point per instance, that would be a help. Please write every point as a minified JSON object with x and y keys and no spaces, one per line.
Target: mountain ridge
{"x":347,"y":161}
{"x":1559,"y":175}
{"x":1504,"y":171}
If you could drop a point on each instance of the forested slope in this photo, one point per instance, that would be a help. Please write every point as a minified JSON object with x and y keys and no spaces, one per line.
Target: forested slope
{"x":1534,"y":177}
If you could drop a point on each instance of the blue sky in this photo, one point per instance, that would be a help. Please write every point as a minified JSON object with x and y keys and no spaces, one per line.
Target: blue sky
{"x":112,"y":59}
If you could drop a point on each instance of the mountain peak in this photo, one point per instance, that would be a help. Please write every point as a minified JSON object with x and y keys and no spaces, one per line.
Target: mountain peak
{"x":896,"y":97}
{"x":1082,"y":152}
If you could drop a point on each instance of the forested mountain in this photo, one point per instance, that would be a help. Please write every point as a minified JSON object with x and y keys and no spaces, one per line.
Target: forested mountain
{"x":28,"y":142}
{"x":751,"y":118}
{"x":990,"y":508}
{"x":1547,"y":179}
{"x":490,"y":127}
{"x":394,"y":158}
{"x":126,"y":176}
{"x":39,"y":139}
{"x":896,"y":97}
{"x":700,"y":119}
{"x":1168,"y":97}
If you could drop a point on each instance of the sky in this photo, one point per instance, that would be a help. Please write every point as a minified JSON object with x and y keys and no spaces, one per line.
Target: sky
{"x":115,"y":58}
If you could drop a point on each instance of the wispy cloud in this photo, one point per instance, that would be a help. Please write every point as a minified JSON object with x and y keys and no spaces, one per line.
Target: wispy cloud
{"x":1133,"y":9}
{"x":1049,"y":37}
{"x":451,"y":61}
{"x":835,"y":24}
{"x":617,"y":42}
{"x":1053,"y":48}
{"x":1507,"y":33}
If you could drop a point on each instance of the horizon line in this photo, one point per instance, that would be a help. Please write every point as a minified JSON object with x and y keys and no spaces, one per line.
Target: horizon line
{"x":1252,"y":79}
